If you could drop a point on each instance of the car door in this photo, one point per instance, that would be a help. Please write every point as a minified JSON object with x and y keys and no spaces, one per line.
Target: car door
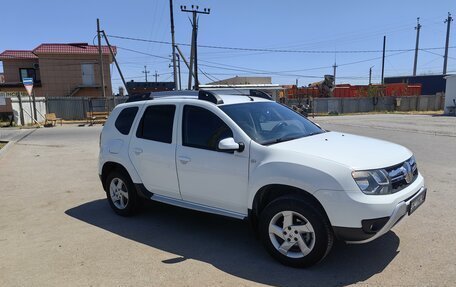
{"x":208,"y":176}
{"x":153,"y":150}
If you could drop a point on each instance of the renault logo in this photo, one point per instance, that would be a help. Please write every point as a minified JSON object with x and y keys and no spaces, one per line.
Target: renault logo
{"x":407,"y":170}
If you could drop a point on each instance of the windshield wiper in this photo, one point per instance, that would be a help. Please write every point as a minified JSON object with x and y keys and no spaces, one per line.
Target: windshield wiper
{"x":284,"y":139}
{"x":314,"y":133}
{"x":279,"y":140}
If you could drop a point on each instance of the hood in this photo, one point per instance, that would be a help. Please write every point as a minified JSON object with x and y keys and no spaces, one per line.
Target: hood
{"x":356,"y":152}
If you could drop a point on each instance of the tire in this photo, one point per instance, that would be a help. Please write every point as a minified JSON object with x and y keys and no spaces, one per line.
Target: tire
{"x":121,"y":193}
{"x":295,"y":232}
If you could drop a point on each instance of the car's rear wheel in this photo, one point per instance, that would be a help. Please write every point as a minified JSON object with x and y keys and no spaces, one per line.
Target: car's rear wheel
{"x":121,"y":194}
{"x":295,"y":233}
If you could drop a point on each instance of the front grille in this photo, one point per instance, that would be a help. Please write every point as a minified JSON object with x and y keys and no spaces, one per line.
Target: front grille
{"x":403,"y":174}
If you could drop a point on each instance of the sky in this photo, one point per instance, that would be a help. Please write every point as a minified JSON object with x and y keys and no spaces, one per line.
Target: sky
{"x":314,"y":35}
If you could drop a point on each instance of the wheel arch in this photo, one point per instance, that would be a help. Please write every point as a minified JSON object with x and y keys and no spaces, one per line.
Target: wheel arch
{"x":270,"y":192}
{"x":108,"y":167}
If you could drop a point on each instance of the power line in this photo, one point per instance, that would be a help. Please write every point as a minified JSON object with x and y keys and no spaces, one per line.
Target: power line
{"x":284,"y":73}
{"x":143,"y":53}
{"x":277,"y":50}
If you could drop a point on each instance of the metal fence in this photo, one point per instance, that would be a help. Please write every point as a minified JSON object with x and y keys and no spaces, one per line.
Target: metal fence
{"x":76,"y":108}
{"x":364,"y":105}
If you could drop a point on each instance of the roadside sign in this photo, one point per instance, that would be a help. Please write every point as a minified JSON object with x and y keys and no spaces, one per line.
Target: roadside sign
{"x":2,"y":101}
{"x":28,"y":84}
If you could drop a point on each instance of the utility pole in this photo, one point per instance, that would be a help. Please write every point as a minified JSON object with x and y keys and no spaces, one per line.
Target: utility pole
{"x":21,"y":109}
{"x":383,"y":60}
{"x":171,"y":16}
{"x":190,"y":67}
{"x":115,"y":60}
{"x":417,"y":28}
{"x":447,"y":43}
{"x":100,"y":61}
{"x":186,"y":64}
{"x":370,"y":75}
{"x":194,"y":50}
{"x":179,"y":70}
{"x":145,"y":72}
{"x":156,"y":75}
{"x":334,"y":73}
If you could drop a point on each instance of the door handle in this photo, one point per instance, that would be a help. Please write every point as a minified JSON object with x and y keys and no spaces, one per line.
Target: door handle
{"x":137,"y":150}
{"x":184,"y":159}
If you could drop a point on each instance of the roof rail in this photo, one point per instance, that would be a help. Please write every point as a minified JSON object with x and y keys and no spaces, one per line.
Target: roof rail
{"x":209,"y":96}
{"x":260,"y":94}
{"x":205,"y":95}
{"x":140,"y":97}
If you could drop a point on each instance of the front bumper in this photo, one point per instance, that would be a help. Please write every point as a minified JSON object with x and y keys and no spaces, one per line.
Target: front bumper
{"x":359,"y":235}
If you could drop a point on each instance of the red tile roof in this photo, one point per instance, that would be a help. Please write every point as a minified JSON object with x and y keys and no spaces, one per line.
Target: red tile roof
{"x":71,"y":48}
{"x":17,"y":54}
{"x":65,"y":49}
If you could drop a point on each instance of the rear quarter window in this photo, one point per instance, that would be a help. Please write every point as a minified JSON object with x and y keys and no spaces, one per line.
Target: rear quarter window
{"x":125,"y":120}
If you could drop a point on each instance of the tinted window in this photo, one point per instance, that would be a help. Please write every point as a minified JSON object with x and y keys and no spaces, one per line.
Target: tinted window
{"x":125,"y":120}
{"x":157,"y":123}
{"x":203,"y":129}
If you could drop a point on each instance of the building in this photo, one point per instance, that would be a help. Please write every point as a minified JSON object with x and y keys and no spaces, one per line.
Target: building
{"x":450,"y":96}
{"x":248,"y":83}
{"x":244,"y":81}
{"x":58,"y":70}
{"x":430,"y":84}
{"x":148,"y":87}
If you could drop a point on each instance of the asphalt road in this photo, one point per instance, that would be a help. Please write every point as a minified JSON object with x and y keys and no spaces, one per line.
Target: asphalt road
{"x":56,"y":228}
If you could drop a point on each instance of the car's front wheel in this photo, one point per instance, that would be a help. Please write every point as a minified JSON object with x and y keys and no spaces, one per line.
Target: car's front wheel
{"x":295,"y":233}
{"x":121,"y":194}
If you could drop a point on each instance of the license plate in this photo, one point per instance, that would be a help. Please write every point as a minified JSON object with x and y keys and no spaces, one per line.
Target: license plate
{"x":416,"y":202}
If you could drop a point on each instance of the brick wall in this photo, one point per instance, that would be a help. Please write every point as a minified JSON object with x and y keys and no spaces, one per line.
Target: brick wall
{"x":11,"y":69}
{"x":60,"y":76}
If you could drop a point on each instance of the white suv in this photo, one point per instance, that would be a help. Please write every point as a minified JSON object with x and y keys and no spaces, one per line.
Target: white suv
{"x":242,"y":155}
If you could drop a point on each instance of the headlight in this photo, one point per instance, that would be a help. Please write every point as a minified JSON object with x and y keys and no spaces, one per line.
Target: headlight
{"x":373,"y":181}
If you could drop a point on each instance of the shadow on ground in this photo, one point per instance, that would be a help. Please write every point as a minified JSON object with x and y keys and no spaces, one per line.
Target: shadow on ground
{"x":230,"y":246}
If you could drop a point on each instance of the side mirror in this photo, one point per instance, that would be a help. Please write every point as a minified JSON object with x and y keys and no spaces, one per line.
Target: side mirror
{"x":229,"y":144}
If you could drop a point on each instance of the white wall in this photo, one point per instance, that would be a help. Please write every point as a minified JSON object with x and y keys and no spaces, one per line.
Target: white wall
{"x":450,"y":92}
{"x":27,"y":106}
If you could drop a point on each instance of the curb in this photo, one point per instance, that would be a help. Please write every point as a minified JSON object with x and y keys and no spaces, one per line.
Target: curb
{"x":15,"y":140}
{"x":4,"y":149}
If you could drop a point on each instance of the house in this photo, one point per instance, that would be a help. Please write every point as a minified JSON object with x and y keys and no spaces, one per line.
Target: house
{"x":58,"y":70}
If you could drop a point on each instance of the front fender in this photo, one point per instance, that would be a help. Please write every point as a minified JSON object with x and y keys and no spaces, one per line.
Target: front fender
{"x":291,"y":174}
{"x":269,"y":165}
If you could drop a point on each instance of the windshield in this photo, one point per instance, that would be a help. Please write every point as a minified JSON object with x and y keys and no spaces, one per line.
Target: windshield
{"x":269,"y":122}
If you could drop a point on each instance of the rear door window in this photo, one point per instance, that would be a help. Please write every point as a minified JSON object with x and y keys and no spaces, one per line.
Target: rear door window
{"x":157,"y":123}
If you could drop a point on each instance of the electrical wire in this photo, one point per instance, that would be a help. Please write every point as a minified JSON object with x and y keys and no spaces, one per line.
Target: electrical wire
{"x":276,"y":50}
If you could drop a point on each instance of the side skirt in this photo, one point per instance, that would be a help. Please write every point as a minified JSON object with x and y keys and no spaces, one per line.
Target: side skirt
{"x":196,"y":206}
